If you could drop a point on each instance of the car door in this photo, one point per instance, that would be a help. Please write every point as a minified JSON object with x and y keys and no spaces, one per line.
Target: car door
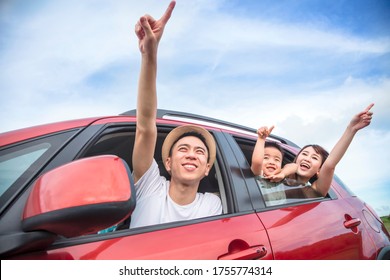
{"x":313,"y":230}
{"x":307,"y":229}
{"x":236,"y":234}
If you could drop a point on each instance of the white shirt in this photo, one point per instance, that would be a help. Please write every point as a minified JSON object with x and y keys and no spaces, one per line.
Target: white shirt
{"x":154,"y":205}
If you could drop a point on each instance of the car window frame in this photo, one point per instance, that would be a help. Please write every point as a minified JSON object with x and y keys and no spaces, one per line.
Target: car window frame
{"x":256,"y":193}
{"x":163,"y":130}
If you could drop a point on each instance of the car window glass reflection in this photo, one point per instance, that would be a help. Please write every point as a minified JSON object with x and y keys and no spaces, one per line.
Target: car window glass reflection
{"x":14,"y":164}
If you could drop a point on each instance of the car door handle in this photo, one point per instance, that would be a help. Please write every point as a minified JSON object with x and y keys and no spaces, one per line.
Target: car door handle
{"x":251,"y":253}
{"x":354,"y":222}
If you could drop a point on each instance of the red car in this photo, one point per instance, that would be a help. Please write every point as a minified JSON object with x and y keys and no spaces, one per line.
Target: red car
{"x":63,"y":185}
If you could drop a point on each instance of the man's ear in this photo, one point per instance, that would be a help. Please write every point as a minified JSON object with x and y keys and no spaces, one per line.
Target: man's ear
{"x":167,"y":164}
{"x":207,"y":170}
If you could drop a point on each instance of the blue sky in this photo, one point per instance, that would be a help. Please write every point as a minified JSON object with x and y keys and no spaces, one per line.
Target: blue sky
{"x":304,"y":66}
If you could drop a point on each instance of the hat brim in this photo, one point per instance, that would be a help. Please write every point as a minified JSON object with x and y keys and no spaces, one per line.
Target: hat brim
{"x":179,"y":131}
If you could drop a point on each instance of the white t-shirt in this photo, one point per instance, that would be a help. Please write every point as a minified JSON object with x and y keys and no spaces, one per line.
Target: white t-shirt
{"x":154,"y":205}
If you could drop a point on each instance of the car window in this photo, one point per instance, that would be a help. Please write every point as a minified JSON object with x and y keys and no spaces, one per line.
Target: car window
{"x":20,"y":162}
{"x":282,"y":193}
{"x":119,"y":141}
{"x":285,"y":192}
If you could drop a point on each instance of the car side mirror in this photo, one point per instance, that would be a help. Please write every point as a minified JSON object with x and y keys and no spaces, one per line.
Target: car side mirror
{"x":81,"y":197}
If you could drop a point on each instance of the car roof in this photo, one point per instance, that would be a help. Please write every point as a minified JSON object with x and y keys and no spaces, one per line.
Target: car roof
{"x":169,"y":116}
{"x":211,"y":122}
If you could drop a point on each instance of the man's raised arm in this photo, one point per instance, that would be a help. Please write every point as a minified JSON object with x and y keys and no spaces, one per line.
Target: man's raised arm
{"x":149,"y":32}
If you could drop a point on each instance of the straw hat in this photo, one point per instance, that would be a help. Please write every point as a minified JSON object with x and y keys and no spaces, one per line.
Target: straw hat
{"x":179,"y":131}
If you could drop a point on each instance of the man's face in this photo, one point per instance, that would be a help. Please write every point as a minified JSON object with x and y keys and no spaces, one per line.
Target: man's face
{"x":272,"y":162}
{"x":188,"y":162}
